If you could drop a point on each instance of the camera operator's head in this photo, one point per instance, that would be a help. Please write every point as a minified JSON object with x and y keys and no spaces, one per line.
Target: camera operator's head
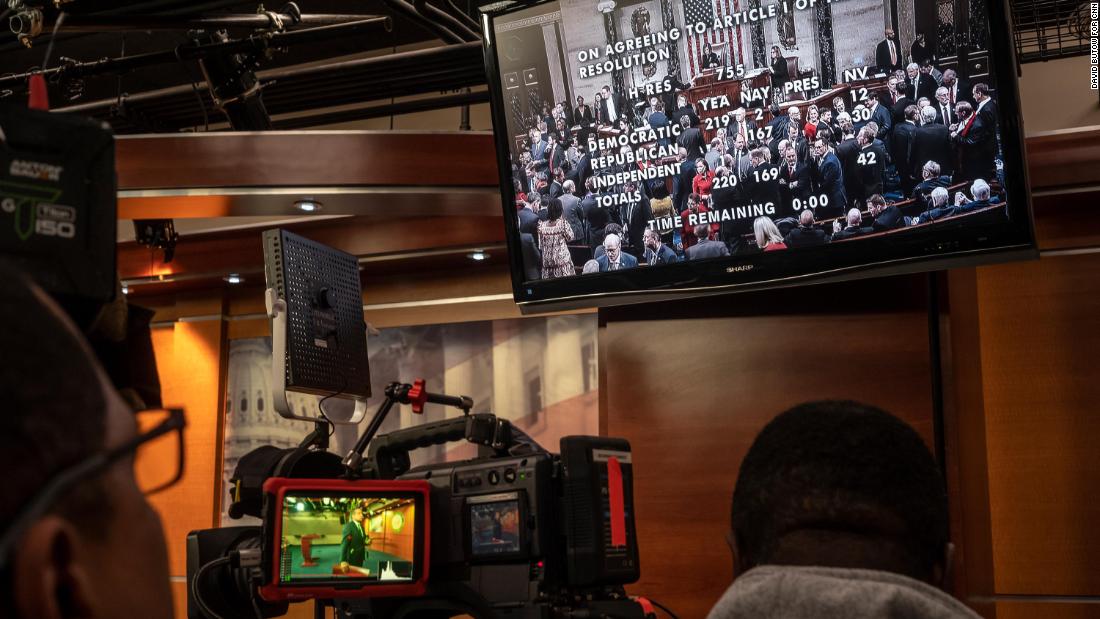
{"x":841,"y":484}
{"x":97,"y":549}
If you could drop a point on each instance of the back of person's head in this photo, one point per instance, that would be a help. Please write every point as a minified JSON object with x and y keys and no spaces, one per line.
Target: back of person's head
{"x":591,"y":266}
{"x":98,"y":550}
{"x":806,"y":218}
{"x":766,"y":232}
{"x":939,"y":196}
{"x":54,"y":404}
{"x":554,"y":210}
{"x":854,"y":217}
{"x":930,"y":170}
{"x":841,"y":484}
{"x":980,"y":190}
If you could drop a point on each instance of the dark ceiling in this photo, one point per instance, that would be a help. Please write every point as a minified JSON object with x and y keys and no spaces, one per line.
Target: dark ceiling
{"x":173,"y":95}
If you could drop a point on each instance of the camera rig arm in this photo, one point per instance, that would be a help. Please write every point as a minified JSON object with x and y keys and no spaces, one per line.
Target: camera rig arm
{"x":401,"y":393}
{"x":388,"y":455}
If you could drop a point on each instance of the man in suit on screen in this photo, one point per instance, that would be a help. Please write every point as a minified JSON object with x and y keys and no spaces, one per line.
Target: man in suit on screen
{"x":354,"y":540}
{"x":921,"y":82}
{"x":880,"y":114}
{"x":742,"y":127}
{"x":614,"y":107}
{"x":887,"y":54}
{"x":945,"y":111}
{"x":957,"y":89}
{"x":614,"y":258}
{"x":931,"y":142}
{"x":705,"y":248}
{"x":870,"y":165}
{"x":901,"y":148}
{"x":830,"y":180}
{"x":977,"y":138}
{"x":794,"y":183}
{"x":656,"y":252}
{"x":806,"y":235}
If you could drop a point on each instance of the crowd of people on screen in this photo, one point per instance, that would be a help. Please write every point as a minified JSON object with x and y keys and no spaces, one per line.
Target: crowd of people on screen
{"x":811,"y":175}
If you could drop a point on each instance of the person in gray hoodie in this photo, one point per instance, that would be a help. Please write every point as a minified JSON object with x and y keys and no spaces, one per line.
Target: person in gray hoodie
{"x":839,"y":512}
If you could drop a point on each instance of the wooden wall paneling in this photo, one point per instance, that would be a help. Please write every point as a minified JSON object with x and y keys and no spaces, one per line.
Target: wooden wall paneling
{"x":691,"y":392}
{"x":189,"y":360}
{"x":1066,"y":221}
{"x":1025,"y":609}
{"x":275,"y":159}
{"x":965,"y":437}
{"x":1040,"y":332}
{"x":1063,"y":158}
{"x":242,"y":251}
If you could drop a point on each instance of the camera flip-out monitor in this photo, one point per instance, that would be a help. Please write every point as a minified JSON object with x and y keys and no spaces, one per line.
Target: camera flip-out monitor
{"x":629,"y":132}
{"x":496,"y":530}
{"x":344,"y":539}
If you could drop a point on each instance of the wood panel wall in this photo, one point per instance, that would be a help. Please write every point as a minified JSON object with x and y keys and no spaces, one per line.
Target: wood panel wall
{"x":1039,"y":328}
{"x":691,"y":383}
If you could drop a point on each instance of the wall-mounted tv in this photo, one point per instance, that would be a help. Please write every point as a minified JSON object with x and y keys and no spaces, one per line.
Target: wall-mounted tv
{"x":656,"y":148}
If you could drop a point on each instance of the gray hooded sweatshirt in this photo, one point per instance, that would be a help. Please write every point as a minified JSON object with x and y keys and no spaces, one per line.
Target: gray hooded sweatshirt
{"x":790,"y":592}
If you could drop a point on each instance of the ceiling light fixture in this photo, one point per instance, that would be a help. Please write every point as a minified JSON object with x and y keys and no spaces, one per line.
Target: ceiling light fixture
{"x":125,"y":290}
{"x":309,"y":206}
{"x":478,"y":256}
{"x":234,"y":278}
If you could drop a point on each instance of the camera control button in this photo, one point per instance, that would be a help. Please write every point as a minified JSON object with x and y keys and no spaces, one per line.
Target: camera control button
{"x":510,"y":475}
{"x":494,"y":477}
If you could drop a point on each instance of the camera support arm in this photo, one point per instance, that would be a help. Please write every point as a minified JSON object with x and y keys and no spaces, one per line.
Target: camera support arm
{"x":401,"y":393}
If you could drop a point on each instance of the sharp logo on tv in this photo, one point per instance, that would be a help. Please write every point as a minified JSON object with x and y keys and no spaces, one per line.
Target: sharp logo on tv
{"x":36,"y":170}
{"x":686,"y":135}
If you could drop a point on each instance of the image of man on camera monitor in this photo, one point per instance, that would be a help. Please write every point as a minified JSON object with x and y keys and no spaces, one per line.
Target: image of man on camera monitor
{"x":348,"y":537}
{"x":496,"y":528}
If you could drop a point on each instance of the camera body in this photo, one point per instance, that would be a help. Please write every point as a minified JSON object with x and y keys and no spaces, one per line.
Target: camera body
{"x":516,"y":533}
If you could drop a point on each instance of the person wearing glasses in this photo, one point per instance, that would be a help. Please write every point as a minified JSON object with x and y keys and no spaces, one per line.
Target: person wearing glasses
{"x":79,"y":537}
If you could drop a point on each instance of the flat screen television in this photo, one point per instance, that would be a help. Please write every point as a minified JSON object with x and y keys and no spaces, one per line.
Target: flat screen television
{"x":650,"y":149}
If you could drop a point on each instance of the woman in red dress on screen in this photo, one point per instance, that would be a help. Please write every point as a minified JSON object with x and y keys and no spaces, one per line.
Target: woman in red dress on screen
{"x":813,"y":116}
{"x":704,"y":178}
{"x":554,"y":236}
{"x":767,"y":233}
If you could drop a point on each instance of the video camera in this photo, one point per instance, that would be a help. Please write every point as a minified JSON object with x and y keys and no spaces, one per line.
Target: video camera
{"x":517,"y":532}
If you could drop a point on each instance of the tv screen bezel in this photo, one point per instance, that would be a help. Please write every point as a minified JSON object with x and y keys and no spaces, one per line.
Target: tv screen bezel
{"x":959,"y":245}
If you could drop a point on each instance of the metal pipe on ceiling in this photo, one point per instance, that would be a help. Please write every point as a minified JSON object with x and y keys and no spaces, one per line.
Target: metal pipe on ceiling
{"x":459,"y":13}
{"x":102,"y":23}
{"x":170,"y":7}
{"x":439,"y":30}
{"x":432,"y":13}
{"x":301,"y":87}
{"x":256,"y":42}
